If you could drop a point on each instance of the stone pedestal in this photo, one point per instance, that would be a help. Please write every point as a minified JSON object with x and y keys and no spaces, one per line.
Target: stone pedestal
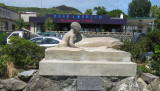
{"x":86,"y":62}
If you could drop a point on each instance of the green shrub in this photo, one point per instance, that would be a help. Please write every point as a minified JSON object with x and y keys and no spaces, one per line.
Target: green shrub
{"x":3,"y":38}
{"x":137,"y":49}
{"x":142,"y":68}
{"x":144,"y":44}
{"x":23,"y":52}
{"x":155,"y":62}
{"x":3,"y":61}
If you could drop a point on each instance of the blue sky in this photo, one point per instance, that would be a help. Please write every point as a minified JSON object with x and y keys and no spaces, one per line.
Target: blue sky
{"x":82,"y":5}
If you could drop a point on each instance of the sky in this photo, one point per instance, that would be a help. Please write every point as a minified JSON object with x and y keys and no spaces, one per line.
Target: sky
{"x":82,"y":5}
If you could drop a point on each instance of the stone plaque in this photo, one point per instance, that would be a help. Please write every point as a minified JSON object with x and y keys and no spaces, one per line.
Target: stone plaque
{"x":89,"y":83}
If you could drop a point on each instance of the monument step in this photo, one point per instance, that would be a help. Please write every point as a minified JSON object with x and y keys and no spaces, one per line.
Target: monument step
{"x":87,"y":54}
{"x":86,"y":68}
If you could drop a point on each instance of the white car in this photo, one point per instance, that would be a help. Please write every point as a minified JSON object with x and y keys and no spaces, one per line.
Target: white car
{"x":46,"y":41}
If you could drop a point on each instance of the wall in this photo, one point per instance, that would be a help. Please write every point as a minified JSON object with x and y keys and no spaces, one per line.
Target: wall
{"x":8,"y":19}
{"x":25,"y":16}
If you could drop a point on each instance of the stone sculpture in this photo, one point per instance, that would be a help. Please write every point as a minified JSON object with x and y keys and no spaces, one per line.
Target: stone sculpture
{"x":71,"y":37}
{"x":107,"y":42}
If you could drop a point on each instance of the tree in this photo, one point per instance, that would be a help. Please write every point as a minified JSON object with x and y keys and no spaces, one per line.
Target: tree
{"x":139,"y":8}
{"x":49,"y":24}
{"x":88,"y":12}
{"x":155,"y":11}
{"x":21,"y":24}
{"x":100,"y":10}
{"x":115,"y":13}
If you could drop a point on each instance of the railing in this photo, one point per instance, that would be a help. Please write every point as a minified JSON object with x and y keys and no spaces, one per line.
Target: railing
{"x":119,"y":35}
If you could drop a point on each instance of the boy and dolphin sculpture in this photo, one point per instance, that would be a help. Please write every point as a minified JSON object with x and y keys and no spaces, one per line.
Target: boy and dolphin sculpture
{"x":74,"y":39}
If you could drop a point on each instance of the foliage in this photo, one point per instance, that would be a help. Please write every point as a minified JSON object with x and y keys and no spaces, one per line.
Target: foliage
{"x":88,"y":12}
{"x":21,"y":24}
{"x":144,"y":44}
{"x":115,"y":13}
{"x":3,"y":60}
{"x":49,"y":25}
{"x":155,"y":11}
{"x":67,"y":9}
{"x":139,"y":8}
{"x":154,"y":36}
{"x":155,"y":62}
{"x":43,"y":11}
{"x":100,"y":10}
{"x":3,"y":38}
{"x":137,"y":49}
{"x":22,"y":52}
{"x":143,"y":68}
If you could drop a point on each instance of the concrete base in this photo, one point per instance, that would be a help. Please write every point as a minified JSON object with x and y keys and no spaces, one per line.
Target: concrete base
{"x":86,"y":68}
{"x":87,"y":54}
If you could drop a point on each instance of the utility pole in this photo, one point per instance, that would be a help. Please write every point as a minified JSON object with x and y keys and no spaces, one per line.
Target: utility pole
{"x":41,"y":3}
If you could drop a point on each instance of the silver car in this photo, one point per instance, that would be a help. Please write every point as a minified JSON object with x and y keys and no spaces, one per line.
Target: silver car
{"x":46,"y":41}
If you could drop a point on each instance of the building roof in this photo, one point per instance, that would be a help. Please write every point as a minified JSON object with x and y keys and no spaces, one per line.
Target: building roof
{"x":141,"y":18}
{"x":83,"y":19}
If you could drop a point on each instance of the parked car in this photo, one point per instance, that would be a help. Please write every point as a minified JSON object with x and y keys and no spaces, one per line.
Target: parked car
{"x":46,"y":41}
{"x":51,"y":34}
{"x":23,"y":33}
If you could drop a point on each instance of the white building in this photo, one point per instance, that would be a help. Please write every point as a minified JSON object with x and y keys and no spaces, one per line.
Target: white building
{"x":140,"y":25}
{"x":8,"y":19}
{"x":25,"y":15}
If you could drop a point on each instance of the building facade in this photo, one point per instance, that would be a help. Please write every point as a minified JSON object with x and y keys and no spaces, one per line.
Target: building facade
{"x":140,"y":24}
{"x":25,"y":15}
{"x":8,"y":20}
{"x":94,"y":23}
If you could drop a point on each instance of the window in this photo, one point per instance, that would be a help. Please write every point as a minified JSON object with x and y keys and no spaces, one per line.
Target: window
{"x":13,"y":27}
{"x":37,"y":40}
{"x":50,"y":41}
{"x":14,"y":34}
{"x":6,"y":26}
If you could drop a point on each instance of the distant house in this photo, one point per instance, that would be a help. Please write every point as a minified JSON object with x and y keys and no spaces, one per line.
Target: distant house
{"x":25,"y":15}
{"x":140,"y":24}
{"x":8,"y":19}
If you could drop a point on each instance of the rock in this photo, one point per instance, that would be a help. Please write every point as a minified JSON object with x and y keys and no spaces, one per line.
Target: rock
{"x":39,"y":83}
{"x":66,"y":82}
{"x":3,"y":90}
{"x":13,"y":84}
{"x":26,"y":75}
{"x":1,"y":86}
{"x":147,"y":77}
{"x":142,"y":85}
{"x":155,"y":85}
{"x":115,"y":79}
{"x":108,"y":84}
{"x":128,"y":84}
{"x":159,"y":87}
{"x":70,"y":87}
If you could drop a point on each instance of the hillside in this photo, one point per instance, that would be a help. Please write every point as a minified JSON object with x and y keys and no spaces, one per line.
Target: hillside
{"x":42,"y":11}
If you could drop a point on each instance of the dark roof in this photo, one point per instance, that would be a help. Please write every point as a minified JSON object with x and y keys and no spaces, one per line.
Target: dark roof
{"x":83,"y":19}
